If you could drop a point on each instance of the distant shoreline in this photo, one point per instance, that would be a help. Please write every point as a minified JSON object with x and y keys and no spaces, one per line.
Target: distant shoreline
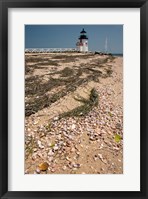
{"x":117,"y":55}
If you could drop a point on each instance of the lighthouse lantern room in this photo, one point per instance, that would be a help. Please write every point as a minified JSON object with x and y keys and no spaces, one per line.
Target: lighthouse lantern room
{"x":82,"y":44}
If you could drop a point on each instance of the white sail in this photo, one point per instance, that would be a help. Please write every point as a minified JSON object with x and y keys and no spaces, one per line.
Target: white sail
{"x":106,"y":47}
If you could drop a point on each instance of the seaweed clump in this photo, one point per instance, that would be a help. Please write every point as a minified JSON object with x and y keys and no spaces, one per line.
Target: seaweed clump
{"x":84,"y":109}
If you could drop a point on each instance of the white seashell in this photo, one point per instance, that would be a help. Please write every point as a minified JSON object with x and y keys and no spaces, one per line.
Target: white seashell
{"x":73,"y":126}
{"x":55,"y":148}
{"x":50,"y":153}
{"x":38,"y":171}
{"x":76,"y":165}
{"x":35,"y":149}
{"x":50,"y":158}
{"x":73,"y":149}
{"x":55,"y":118}
{"x":64,"y":167}
{"x":39,"y":142}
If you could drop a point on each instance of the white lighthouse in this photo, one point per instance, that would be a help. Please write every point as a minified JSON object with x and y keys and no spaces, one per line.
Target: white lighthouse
{"x":82,"y":44}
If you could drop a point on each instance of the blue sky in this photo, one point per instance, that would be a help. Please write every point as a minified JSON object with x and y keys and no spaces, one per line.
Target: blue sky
{"x":66,"y":36}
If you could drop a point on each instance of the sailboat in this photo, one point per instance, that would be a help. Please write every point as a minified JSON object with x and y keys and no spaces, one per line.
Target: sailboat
{"x":106,"y":47}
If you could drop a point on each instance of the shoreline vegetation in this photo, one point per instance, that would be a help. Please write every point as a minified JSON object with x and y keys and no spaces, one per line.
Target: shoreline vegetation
{"x":73,"y":113}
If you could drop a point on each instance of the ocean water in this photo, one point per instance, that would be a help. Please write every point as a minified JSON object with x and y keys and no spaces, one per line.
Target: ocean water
{"x":118,"y":55}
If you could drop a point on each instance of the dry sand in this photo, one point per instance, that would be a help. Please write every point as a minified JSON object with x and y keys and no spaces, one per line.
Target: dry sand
{"x":88,"y":144}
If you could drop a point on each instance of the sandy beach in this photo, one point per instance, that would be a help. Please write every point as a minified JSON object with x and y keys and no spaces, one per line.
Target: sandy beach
{"x":73,"y":113}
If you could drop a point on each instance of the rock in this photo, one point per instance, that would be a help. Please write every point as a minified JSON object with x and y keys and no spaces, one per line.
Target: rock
{"x":43,"y":166}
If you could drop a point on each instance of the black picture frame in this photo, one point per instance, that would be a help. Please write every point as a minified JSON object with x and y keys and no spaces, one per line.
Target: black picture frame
{"x":4,"y":5}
